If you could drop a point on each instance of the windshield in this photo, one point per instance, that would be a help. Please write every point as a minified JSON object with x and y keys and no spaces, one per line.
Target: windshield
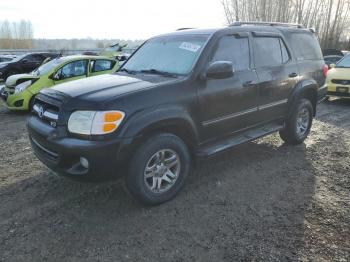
{"x":345,"y":62}
{"x":47,"y":67}
{"x":173,"y":55}
{"x":17,"y":58}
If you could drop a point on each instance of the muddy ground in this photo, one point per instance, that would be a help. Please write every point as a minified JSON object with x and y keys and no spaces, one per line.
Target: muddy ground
{"x":261,"y":201}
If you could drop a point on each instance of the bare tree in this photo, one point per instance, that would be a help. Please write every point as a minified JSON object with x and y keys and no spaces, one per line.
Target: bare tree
{"x":328,"y":17}
{"x":16,"y":34}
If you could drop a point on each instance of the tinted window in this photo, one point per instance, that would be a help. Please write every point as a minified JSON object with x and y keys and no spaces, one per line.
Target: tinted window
{"x":235,"y":50}
{"x":73,"y":69}
{"x":101,"y":65}
{"x":34,"y":58}
{"x":305,"y":46}
{"x":267,"y":51}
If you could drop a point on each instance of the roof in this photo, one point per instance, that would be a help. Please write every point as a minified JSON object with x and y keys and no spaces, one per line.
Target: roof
{"x":265,"y":27}
{"x":77,"y":57}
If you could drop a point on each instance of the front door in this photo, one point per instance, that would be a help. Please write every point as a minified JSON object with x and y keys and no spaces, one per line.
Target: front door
{"x":71,"y":71}
{"x":229,"y":105}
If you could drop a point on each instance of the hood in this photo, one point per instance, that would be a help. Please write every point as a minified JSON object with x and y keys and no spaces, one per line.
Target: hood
{"x":339,"y":73}
{"x":3,"y":64}
{"x":17,"y":79}
{"x":102,"y":87}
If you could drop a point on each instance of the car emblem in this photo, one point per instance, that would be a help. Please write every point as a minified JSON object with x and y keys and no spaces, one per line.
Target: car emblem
{"x":41,"y":111}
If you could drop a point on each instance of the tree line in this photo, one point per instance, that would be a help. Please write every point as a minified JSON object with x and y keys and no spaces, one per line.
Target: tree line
{"x":328,"y":17}
{"x":16,"y":34}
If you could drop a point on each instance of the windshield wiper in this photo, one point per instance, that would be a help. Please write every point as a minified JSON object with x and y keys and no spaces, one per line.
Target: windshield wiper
{"x":127,"y":71}
{"x":158,"y":72}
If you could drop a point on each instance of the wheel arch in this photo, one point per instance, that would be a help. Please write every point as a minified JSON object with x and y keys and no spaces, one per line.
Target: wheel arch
{"x":306,"y":88}
{"x":173,"y":120}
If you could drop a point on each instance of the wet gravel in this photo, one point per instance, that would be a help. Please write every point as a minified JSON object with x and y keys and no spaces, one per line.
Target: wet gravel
{"x":261,"y":201}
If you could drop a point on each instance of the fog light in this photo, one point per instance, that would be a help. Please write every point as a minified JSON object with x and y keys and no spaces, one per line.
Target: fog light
{"x":84,"y":162}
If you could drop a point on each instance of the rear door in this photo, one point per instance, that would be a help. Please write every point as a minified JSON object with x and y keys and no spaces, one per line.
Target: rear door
{"x":277,"y":74}
{"x":228,"y":105}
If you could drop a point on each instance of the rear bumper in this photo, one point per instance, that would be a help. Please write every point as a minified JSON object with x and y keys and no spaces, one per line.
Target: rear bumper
{"x":62,"y":155}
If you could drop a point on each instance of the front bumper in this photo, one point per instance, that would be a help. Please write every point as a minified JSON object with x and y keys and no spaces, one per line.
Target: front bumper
{"x":338,"y":90}
{"x":18,"y":101}
{"x":62,"y":154}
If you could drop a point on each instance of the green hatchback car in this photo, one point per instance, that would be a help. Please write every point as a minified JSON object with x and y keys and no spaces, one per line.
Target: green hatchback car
{"x":19,"y":90}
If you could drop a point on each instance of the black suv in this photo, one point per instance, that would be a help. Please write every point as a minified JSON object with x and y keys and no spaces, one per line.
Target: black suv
{"x":180,"y":96}
{"x":24,"y":64}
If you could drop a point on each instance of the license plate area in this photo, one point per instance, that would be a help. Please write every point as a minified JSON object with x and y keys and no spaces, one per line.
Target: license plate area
{"x":342,"y":89}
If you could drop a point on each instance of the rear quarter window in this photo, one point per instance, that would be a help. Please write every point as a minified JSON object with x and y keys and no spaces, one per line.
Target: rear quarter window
{"x":305,"y":46}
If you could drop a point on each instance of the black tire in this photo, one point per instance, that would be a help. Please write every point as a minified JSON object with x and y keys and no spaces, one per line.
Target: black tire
{"x":290,"y":134}
{"x":135,"y":181}
{"x":31,"y":103}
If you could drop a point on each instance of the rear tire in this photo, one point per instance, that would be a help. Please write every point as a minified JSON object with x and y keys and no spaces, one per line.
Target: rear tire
{"x":298,"y":125}
{"x":158,"y":169}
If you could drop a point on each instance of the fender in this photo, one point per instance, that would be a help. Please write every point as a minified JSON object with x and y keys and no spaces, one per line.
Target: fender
{"x":304,"y":86}
{"x":158,"y":118}
{"x":152,"y":120}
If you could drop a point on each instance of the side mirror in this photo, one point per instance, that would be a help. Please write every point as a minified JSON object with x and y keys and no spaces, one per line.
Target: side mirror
{"x":332,"y":65}
{"x":55,"y":76}
{"x":220,"y":70}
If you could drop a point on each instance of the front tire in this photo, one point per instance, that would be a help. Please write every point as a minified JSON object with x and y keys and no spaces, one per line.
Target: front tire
{"x":298,"y":125}
{"x":158,"y":169}
{"x":31,"y":103}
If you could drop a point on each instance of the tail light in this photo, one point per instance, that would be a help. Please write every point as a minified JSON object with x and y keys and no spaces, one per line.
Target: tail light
{"x":325,"y":70}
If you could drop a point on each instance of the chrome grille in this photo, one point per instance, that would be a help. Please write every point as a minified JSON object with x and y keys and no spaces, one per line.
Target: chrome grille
{"x":341,"y":81}
{"x":46,"y":112}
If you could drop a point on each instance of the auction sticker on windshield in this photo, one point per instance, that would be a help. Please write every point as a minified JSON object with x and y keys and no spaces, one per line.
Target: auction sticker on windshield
{"x":190,"y":47}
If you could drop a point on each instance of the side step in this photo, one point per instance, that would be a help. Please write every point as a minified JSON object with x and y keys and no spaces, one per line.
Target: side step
{"x":235,"y":140}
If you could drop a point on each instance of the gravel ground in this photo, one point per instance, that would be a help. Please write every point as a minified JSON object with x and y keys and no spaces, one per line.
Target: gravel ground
{"x":260,"y":201}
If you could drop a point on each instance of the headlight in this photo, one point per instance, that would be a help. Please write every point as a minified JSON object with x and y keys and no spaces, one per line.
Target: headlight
{"x":19,"y":88}
{"x":94,"y":123}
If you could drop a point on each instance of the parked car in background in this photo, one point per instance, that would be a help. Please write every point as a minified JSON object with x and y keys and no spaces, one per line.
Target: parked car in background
{"x":20,"y":90}
{"x":332,"y":59}
{"x":338,"y":79}
{"x":187,"y":94}
{"x":24,"y":64}
{"x":6,"y":58}
{"x":113,"y":50}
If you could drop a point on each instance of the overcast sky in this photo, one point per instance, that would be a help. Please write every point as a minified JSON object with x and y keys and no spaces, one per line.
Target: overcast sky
{"x":129,"y":19}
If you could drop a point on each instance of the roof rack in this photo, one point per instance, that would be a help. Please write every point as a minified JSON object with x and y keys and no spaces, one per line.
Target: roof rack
{"x":267,"y":24}
{"x":184,"y":28}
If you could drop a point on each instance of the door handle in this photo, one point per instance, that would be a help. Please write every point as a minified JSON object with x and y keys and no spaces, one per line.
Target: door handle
{"x":249,"y":84}
{"x":293,"y":75}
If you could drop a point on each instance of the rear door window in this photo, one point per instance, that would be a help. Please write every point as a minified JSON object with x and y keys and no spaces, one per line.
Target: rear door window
{"x":269,"y":51}
{"x":101,"y":65}
{"x":235,"y":50}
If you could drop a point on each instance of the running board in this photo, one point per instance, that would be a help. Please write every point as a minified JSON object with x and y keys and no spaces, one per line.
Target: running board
{"x":243,"y":137}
